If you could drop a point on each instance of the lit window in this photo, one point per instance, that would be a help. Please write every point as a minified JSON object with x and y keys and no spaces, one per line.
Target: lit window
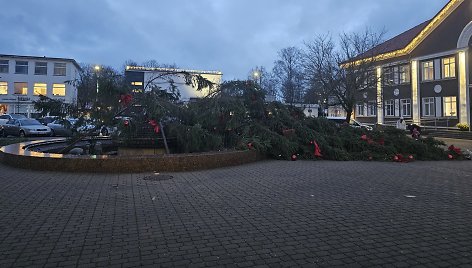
{"x":39,"y":89}
{"x":58,"y":89}
{"x":406,"y":107}
{"x":4,"y":66}
{"x":404,"y":74}
{"x":372,"y":108}
{"x":360,"y":110}
{"x":59,"y":69}
{"x":450,"y":106}
{"x":21,"y":88}
{"x":428,"y":70}
{"x":449,"y":67}
{"x":21,"y":67}
{"x":41,"y":68}
{"x":390,"y":108}
{"x":428,"y":107}
{"x":137,"y":83}
{"x":3,"y":88}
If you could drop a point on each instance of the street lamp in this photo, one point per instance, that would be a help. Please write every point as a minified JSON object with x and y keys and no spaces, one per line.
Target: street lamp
{"x":97,"y":70}
{"x":257,"y":74}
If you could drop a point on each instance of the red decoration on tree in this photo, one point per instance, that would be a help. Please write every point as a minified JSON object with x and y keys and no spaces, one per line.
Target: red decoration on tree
{"x":411,"y":157}
{"x":450,"y":156}
{"x":317,"y":151}
{"x":294,"y":157}
{"x":126,"y":99}
{"x":154,"y":124}
{"x":249,"y":145}
{"x":126,"y":123}
{"x":364,"y":137}
{"x":455,"y":150}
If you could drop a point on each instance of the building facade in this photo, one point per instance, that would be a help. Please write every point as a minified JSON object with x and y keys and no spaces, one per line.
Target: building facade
{"x":143,"y":79}
{"x":424,"y":74}
{"x":24,"y":78}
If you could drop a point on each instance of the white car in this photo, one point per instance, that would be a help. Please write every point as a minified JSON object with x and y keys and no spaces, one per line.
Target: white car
{"x":4,"y":118}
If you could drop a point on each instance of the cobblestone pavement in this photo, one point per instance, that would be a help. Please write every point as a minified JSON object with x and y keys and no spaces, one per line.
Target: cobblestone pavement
{"x":268,"y":214}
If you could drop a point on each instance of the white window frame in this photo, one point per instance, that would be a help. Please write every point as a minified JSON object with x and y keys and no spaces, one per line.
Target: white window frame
{"x":450,"y":106}
{"x":3,"y":88}
{"x":390,"y":107}
{"x":405,"y":112}
{"x":24,"y":90}
{"x":56,"y":87}
{"x":428,"y":70}
{"x":360,"y":109}
{"x":448,"y":67}
{"x":60,"y":69}
{"x":41,"y":68}
{"x":429,"y":107}
{"x":372,"y":108}
{"x":38,"y":89}
{"x":4,"y":65}
{"x":404,"y":73}
{"x":20,"y":67}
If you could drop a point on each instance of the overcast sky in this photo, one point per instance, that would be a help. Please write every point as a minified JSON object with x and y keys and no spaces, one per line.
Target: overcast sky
{"x":231,"y":36}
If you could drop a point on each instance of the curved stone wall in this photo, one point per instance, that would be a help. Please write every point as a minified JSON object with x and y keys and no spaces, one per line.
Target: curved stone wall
{"x":18,"y":155}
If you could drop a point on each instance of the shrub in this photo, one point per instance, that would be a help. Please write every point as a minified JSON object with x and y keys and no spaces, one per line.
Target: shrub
{"x":462,"y":127}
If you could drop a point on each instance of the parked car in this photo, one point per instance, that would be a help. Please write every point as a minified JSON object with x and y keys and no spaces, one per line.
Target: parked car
{"x":5,"y":117}
{"x":352,"y":122}
{"x":62,"y":127}
{"x":25,"y":127}
{"x":47,"y":119}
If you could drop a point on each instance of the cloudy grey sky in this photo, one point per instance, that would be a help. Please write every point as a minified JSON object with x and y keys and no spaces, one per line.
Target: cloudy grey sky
{"x":232,"y":36}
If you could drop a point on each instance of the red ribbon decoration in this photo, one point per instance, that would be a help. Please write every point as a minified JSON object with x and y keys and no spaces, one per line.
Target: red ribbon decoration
{"x":317,"y":151}
{"x":126,"y":99}
{"x":154,"y":124}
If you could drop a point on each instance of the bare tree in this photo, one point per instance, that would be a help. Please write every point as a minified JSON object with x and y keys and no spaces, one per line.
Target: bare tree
{"x":288,"y":71}
{"x":345,"y":70}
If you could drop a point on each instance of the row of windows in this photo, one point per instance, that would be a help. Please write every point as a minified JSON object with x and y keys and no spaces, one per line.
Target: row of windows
{"x":40,"y":67}
{"x":430,"y":71}
{"x":21,"y":88}
{"x":403,"y":107}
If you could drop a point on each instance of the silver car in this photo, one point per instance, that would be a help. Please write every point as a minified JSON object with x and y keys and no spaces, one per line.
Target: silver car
{"x":25,"y":127}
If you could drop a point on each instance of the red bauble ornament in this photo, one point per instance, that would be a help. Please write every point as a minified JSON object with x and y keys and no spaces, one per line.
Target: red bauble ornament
{"x":370,"y":158}
{"x":126,"y":123}
{"x":364,"y":137}
{"x":294,"y":157}
{"x":450,"y":156}
{"x":249,"y":145}
{"x":395,"y":158}
{"x":410,"y":157}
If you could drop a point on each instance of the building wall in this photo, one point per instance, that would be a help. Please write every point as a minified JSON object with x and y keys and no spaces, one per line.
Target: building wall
{"x":19,"y":103}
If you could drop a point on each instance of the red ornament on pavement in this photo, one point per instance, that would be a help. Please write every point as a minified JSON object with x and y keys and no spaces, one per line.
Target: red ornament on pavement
{"x":294,"y":157}
{"x":370,"y":158}
{"x":450,"y":156}
{"x":395,"y":158}
{"x":411,"y":157}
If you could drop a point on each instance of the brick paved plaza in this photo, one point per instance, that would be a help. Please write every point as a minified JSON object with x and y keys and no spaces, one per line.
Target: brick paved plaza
{"x":268,"y":214}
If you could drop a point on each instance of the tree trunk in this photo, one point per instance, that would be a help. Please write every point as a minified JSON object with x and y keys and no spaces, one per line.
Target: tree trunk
{"x":348,"y":115}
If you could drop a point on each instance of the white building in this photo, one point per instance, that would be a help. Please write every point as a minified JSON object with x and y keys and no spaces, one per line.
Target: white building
{"x":24,"y":78}
{"x":143,"y":78}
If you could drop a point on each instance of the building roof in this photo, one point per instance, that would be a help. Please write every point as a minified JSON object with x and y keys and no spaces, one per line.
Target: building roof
{"x":404,"y":43}
{"x":398,"y":42}
{"x":170,"y":70}
{"x":40,"y":58}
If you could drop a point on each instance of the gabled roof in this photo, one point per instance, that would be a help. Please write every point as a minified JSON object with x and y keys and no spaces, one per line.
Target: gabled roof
{"x":406,"y":42}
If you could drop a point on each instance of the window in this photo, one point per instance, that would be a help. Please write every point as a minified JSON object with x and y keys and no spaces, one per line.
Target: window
{"x":405,"y":107}
{"x":372,"y":108}
{"x":3,"y":88}
{"x":60,"y":69}
{"x":4,"y":66}
{"x":360,"y":110}
{"x":39,"y":89}
{"x":58,"y":89}
{"x":390,"y":108}
{"x":21,"y":67}
{"x":389,"y":76}
{"x":41,"y":68}
{"x":137,"y":83}
{"x":428,"y":107}
{"x":449,"y":67}
{"x":450,"y":107}
{"x":428,"y":70}
{"x":404,"y":74}
{"x":21,"y":88}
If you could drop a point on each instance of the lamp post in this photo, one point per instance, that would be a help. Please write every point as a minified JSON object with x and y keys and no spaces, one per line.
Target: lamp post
{"x":97,"y":70}
{"x":258,"y":76}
